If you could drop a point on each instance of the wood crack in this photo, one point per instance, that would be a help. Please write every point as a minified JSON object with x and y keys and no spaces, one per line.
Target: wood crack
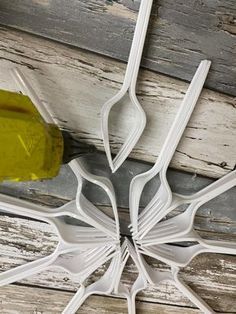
{"x":222,"y":165}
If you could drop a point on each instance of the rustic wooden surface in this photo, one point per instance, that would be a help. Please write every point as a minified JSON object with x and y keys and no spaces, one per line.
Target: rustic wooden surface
{"x":74,"y":84}
{"x":47,"y":301}
{"x":181,"y":33}
{"x":212,"y":276}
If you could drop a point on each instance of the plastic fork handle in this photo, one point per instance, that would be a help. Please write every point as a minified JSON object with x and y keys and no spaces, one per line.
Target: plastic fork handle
{"x":131,"y":305}
{"x":8,"y":202}
{"x":77,"y":300}
{"x":35,"y":211}
{"x":24,"y":211}
{"x":27,"y":89}
{"x":24,"y":271}
{"x":184,"y":113}
{"x":138,"y":41}
{"x":223,"y":247}
{"x":216,"y":188}
{"x":191,"y":295}
{"x":219,"y":186}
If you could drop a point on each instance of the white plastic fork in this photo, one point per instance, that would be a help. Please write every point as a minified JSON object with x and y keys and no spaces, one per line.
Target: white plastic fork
{"x":92,"y":259}
{"x":182,"y":224}
{"x":163,"y":196}
{"x":156,"y":277}
{"x":221,"y":185}
{"x":22,"y":207}
{"x":84,"y":263}
{"x":84,"y":236}
{"x":104,"y":286}
{"x":129,"y":84}
{"x":182,"y":256}
{"x":28,"y":90}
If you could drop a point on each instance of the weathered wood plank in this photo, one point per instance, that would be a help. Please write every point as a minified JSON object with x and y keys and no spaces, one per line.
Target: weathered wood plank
{"x":25,"y":300}
{"x":180,"y":33}
{"x":217,"y":216}
{"x":212,"y":276}
{"x":74,"y":84}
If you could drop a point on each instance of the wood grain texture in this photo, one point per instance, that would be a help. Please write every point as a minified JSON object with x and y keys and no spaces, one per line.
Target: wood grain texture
{"x":32,"y":300}
{"x":74,"y":85}
{"x":211,"y":275}
{"x":180,"y":33}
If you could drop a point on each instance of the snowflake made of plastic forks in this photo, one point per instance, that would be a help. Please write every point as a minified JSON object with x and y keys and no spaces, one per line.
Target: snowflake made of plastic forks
{"x":81,"y":250}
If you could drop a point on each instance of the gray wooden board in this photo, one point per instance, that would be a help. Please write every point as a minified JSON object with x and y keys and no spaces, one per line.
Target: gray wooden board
{"x":211,"y":275}
{"x":219,"y":214}
{"x":181,"y":33}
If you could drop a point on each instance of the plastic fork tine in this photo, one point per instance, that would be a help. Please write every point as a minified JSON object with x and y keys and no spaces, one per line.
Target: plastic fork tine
{"x":93,"y":252}
{"x":129,"y":84}
{"x":84,"y":275}
{"x":144,"y":224}
{"x":100,"y":257}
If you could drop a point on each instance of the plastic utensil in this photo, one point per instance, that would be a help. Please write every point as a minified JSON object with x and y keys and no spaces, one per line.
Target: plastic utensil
{"x":189,"y":293}
{"x":87,"y":209}
{"x":129,"y":85}
{"x":28,"y":90}
{"x":73,"y":263}
{"x":124,"y":258}
{"x":155,"y":277}
{"x":16,"y":204}
{"x":84,"y":261}
{"x":163,"y":196}
{"x":182,"y":256}
{"x":27,"y":209}
{"x":182,"y":224}
{"x":224,"y":183}
{"x":83,"y":236}
{"x":103,"y":286}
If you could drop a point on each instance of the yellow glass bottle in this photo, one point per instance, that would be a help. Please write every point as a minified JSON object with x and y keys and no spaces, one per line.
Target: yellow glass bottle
{"x":30,"y":149}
